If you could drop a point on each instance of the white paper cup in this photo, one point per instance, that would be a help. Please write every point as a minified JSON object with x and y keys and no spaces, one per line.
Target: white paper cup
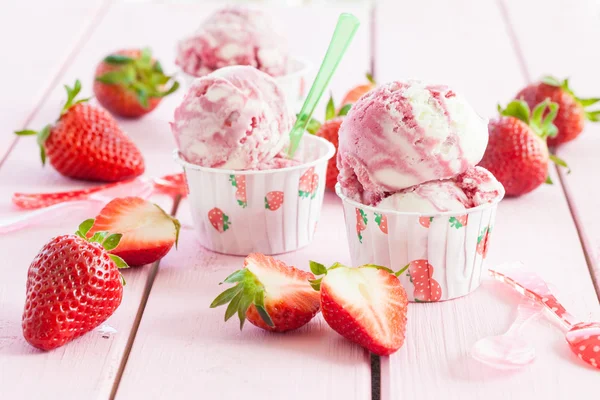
{"x":444,"y":252}
{"x":294,"y":84}
{"x":271,"y":212}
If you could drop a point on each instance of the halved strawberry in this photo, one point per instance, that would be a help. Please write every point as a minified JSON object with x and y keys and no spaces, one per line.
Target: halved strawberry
{"x":366,"y":305}
{"x":270,"y":294}
{"x":148,"y":232}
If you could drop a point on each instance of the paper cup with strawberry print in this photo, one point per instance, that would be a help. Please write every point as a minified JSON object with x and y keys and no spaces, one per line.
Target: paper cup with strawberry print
{"x":270,"y":211}
{"x":440,"y":257}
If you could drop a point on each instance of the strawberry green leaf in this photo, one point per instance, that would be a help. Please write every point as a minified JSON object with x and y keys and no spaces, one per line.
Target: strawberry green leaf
{"x":119,"y":262}
{"x":237,"y":276}
{"x":146,"y":56}
{"x":112,"y":78}
{"x":377,"y":267}
{"x":559,"y":161}
{"x":549,"y":180}
{"x":71,"y":95}
{"x":26,"y":132}
{"x":226,"y":296}
{"x":157,"y":67}
{"x":172,"y":89}
{"x":112,"y":241}
{"x":233,"y":305}
{"x":330,"y":109}
{"x":118,"y":59}
{"x":344,"y":110}
{"x":313,"y":126}
{"x":552,"y":81}
{"x":123,"y":281}
{"x":85,"y":227}
{"x":542,"y":125}
{"x":317,"y":268}
{"x":517,"y":109}
{"x":315,"y":283}
{"x":588,"y":102}
{"x":99,"y":237}
{"x":400,"y":272}
{"x":259,"y":303}
{"x":593,"y":116}
{"x":370,"y":78}
{"x":245,"y":302}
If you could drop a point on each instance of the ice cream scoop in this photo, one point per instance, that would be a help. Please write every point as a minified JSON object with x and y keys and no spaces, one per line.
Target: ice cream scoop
{"x":472,"y":188}
{"x":234,"y":36}
{"x":403,"y":134}
{"x":234,"y":118}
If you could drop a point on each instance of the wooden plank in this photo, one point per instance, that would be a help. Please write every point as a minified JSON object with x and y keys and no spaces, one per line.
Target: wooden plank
{"x":35,"y":49}
{"x":573,"y":24}
{"x":186,"y":345}
{"x":88,"y":367}
{"x":466,"y":44}
{"x":189,"y":346}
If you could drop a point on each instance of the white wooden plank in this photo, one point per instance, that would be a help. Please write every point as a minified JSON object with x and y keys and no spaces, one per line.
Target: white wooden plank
{"x":38,"y":38}
{"x":186,"y":346}
{"x":567,"y":51}
{"x":466,"y":45}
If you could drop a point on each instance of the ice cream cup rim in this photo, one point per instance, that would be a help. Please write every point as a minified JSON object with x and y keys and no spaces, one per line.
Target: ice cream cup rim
{"x":306,"y":66}
{"x":324,"y":158}
{"x":482,"y":207}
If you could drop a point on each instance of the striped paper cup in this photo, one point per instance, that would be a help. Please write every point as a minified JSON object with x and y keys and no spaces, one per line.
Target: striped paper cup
{"x":271,"y":211}
{"x":441,"y":256}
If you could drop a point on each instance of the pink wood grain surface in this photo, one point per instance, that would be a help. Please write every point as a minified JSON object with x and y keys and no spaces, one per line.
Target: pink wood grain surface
{"x":189,"y":347}
{"x":34,"y":49}
{"x":467,"y":43}
{"x":573,"y":30}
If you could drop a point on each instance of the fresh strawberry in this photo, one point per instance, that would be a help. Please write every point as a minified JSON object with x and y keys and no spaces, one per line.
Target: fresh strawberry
{"x":148,"y":232}
{"x":130,"y":83}
{"x":483,"y":242}
{"x":309,"y":182}
{"x":73,"y":285}
{"x":273,"y":200}
{"x":517,"y":153}
{"x":459,"y":221}
{"x":366,"y":305}
{"x":270,"y":294}
{"x":427,"y":289}
{"x":425,"y":221}
{"x":361,"y":223}
{"x":572,"y":111}
{"x":239,"y":182}
{"x":381,"y":221}
{"x":86,"y":143}
{"x":357,"y":92}
{"x":219,"y":220}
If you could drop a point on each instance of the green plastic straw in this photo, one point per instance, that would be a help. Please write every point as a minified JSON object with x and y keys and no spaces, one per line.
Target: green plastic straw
{"x":342,"y":36}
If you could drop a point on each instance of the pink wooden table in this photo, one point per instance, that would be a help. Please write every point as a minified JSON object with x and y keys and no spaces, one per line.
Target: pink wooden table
{"x":169,"y":344}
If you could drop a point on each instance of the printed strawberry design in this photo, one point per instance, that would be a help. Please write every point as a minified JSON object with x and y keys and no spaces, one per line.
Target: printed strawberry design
{"x":483,"y":242}
{"x":239,"y":182}
{"x":309,"y":182}
{"x":425,"y":221}
{"x":273,"y":200}
{"x":361,"y":223}
{"x":381,"y":220}
{"x":218,"y":219}
{"x":458,"y":222}
{"x":427,"y":289}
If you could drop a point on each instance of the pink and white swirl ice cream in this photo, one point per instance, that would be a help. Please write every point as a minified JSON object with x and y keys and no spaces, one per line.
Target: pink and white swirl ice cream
{"x":234,"y":36}
{"x":412,"y":147}
{"x":235,"y":118}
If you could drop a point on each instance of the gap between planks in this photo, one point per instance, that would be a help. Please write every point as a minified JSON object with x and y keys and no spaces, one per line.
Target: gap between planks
{"x":138,"y":318}
{"x":525,"y":71}
{"x":97,"y":15}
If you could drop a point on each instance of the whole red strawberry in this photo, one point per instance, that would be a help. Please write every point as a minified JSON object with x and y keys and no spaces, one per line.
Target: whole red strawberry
{"x":86,"y":143}
{"x":571,"y":109}
{"x":130,"y":83}
{"x":73,"y":285}
{"x":271,"y":295}
{"x":517,"y":154}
